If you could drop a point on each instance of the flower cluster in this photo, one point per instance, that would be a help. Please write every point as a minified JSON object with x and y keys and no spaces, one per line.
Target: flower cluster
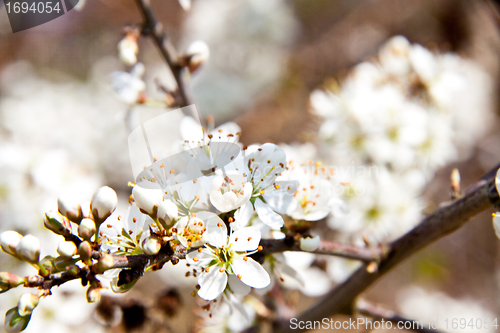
{"x":387,"y":127}
{"x":405,"y":114}
{"x":215,"y":222}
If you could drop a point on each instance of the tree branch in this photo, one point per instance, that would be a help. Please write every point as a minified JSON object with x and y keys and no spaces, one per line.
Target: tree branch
{"x":366,"y":254}
{"x":155,"y":29}
{"x":442,"y":222}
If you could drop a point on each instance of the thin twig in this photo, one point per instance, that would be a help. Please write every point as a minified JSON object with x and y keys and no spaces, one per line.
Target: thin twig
{"x":442,"y":222}
{"x":155,"y":29}
{"x":365,"y":254}
{"x":377,"y":312}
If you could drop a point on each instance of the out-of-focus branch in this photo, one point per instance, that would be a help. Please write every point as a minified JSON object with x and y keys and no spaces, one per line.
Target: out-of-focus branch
{"x":377,"y":312}
{"x":448,"y":218}
{"x":155,"y":29}
{"x":366,"y":254}
{"x":139,"y":262}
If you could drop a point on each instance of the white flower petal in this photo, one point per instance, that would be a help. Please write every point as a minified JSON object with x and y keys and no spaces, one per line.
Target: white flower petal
{"x":203,"y":258}
{"x":281,"y":201}
{"x":245,"y":239}
{"x":242,"y":216}
{"x":287,"y":272}
{"x":251,"y":273}
{"x":496,"y":224}
{"x":212,"y":283}
{"x":147,"y":195}
{"x":497,"y":181}
{"x":238,"y":287}
{"x":267,"y":215}
{"x":216,"y":233}
{"x":316,"y":281}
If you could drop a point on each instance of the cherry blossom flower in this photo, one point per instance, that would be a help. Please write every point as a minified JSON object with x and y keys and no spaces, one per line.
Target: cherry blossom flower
{"x":272,"y":196}
{"x":315,"y":192}
{"x":191,"y":230}
{"x":129,"y":86}
{"x":225,"y":255}
{"x":125,"y":234}
{"x":230,"y":192}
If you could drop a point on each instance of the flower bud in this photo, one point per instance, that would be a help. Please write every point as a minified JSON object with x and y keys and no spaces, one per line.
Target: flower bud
{"x":47,"y":265}
{"x":72,"y":210}
{"x":66,"y":249}
{"x":455,"y":180}
{"x":57,"y":223}
{"x":105,"y":262}
{"x":167,"y":211}
{"x":29,"y":249}
{"x":148,"y":197}
{"x":85,"y":251}
{"x":197,"y":54}
{"x":93,"y":294}
{"x":9,"y":240}
{"x":73,"y":270}
{"x":9,"y":280}
{"x":103,"y":203}
{"x":27,"y":302}
{"x":86,"y":229}
{"x":151,"y":245}
{"x":14,"y":322}
{"x":62,"y":263}
{"x":309,"y":244}
{"x":128,"y":49}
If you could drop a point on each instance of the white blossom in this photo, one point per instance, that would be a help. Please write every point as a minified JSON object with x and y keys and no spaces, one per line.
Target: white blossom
{"x":230,"y":192}
{"x":129,"y":86}
{"x":272,"y":196}
{"x":224,"y":255}
{"x":124,"y":235}
{"x":315,"y":192}
{"x":190,"y":230}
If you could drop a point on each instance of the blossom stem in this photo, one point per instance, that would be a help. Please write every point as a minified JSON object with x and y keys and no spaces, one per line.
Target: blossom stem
{"x":167,"y":50}
{"x":366,"y":254}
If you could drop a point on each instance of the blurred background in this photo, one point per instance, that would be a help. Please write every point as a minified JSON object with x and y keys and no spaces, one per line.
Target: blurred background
{"x":63,"y":131}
